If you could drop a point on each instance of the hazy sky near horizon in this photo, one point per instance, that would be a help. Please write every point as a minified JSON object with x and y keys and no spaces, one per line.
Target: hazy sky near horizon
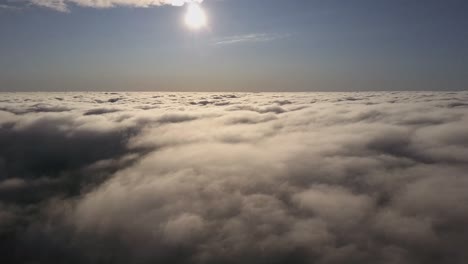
{"x":248,"y":45}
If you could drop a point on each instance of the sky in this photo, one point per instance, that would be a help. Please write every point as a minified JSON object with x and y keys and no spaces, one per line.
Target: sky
{"x":247,"y":45}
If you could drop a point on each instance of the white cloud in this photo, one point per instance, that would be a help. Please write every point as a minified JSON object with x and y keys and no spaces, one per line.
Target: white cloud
{"x":63,"y":5}
{"x":208,"y":178}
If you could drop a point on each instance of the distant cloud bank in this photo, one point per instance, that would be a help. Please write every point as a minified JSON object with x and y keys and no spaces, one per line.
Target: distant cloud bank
{"x":257,"y":178}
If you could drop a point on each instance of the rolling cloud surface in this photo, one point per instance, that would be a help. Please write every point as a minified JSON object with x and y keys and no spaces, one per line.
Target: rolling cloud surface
{"x":234,"y":178}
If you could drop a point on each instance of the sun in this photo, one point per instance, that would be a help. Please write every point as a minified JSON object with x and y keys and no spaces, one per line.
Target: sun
{"x":195,"y":18}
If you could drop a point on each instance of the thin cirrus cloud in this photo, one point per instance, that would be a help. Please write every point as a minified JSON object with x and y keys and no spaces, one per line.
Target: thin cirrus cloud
{"x":64,"y":5}
{"x":248,"y":38}
{"x":9,"y":7}
{"x":6,"y":7}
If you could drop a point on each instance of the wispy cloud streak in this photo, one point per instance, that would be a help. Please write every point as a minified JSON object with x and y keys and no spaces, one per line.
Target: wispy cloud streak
{"x":9,"y":7}
{"x":257,"y":37}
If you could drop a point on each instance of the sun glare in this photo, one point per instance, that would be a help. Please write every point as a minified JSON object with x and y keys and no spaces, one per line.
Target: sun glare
{"x":195,"y":17}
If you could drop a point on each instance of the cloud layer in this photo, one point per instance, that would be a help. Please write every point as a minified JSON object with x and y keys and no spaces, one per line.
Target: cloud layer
{"x":234,"y":178}
{"x":63,"y":5}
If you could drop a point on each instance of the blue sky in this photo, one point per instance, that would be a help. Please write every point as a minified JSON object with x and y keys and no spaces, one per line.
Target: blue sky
{"x":248,"y":45}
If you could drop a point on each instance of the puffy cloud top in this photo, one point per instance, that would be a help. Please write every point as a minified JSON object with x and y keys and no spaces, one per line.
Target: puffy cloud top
{"x":234,"y":178}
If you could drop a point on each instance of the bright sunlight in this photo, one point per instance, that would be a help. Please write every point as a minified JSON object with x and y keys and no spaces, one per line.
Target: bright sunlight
{"x":195,"y":17}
